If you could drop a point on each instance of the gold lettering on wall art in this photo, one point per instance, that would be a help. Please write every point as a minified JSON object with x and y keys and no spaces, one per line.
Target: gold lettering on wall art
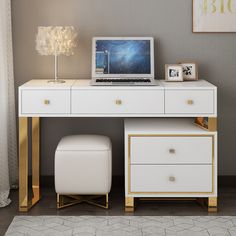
{"x":205,"y":6}
{"x":217,"y":6}
{"x":222,"y":6}
{"x":230,"y":5}
{"x":213,"y":5}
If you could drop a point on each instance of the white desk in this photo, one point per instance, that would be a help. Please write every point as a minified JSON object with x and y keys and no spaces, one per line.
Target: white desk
{"x":38,"y":99}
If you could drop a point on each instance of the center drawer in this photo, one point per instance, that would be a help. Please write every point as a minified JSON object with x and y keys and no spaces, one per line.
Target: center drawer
{"x":171,"y":149}
{"x":109,"y":101}
{"x":171,"y":178}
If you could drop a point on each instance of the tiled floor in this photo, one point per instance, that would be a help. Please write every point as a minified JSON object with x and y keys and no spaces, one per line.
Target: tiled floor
{"x":47,"y":206}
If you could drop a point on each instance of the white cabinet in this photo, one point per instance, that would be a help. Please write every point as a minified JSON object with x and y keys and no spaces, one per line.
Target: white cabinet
{"x":169,"y":158}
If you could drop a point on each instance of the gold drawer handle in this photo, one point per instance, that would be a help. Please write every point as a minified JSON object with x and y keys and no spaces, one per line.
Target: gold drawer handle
{"x":190,"y":102}
{"x":172,"y":151}
{"x":118,"y":102}
{"x":46,"y":102}
{"x":172,"y":179}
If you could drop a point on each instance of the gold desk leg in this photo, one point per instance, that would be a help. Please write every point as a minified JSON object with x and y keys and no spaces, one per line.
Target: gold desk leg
{"x":23,"y":164}
{"x":129,"y":204}
{"x":212,"y":204}
{"x":35,"y":159}
{"x":24,"y":203}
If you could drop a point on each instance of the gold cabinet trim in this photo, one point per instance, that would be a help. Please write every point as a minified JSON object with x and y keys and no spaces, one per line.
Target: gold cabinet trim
{"x":171,"y":135}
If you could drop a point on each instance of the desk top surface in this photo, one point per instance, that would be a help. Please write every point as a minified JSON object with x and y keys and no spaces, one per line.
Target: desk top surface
{"x":85,"y":84}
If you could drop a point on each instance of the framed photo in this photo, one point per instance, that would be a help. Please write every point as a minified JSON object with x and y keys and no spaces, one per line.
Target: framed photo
{"x":173,"y":73}
{"x":190,"y":70}
{"x":211,"y":16}
{"x":202,"y":122}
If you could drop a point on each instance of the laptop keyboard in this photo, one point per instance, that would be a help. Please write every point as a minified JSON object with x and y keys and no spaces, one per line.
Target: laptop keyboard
{"x":126,"y":80}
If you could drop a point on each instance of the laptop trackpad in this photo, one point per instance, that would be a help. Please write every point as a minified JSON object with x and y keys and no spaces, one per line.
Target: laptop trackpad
{"x":122,"y":83}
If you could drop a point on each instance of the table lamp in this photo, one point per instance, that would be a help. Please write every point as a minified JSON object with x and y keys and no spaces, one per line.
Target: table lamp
{"x":56,"y":40}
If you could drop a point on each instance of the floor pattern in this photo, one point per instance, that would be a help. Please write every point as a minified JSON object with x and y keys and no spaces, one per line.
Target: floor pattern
{"x":122,"y":226}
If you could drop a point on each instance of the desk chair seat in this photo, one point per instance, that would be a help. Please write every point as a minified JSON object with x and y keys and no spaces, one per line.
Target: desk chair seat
{"x":83,"y":169}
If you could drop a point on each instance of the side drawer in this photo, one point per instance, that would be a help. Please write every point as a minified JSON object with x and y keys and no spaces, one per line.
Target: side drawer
{"x":171,"y":149}
{"x":45,"y":101}
{"x":171,"y":178}
{"x":117,"y":101}
{"x":189,"y":101}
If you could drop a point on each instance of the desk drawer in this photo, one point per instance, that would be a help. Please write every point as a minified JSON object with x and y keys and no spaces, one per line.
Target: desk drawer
{"x":171,"y":178}
{"x":189,"y":101}
{"x":171,"y":150}
{"x":118,"y":101}
{"x":45,"y":101}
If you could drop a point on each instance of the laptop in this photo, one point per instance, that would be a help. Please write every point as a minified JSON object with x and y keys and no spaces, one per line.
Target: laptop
{"x":123,"y":61}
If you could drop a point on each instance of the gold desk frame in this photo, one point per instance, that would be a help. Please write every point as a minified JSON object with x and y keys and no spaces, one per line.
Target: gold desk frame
{"x":24,"y":202}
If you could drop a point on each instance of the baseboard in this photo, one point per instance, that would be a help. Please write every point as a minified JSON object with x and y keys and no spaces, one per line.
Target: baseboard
{"x":118,"y":181}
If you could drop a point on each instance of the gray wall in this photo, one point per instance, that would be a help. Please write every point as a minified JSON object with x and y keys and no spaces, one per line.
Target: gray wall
{"x":167,"y":20}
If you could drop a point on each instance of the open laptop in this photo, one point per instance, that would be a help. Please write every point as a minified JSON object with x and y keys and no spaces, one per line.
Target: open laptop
{"x":123,"y":61}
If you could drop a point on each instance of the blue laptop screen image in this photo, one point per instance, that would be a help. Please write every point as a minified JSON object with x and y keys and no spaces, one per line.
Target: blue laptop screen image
{"x":123,"y":57}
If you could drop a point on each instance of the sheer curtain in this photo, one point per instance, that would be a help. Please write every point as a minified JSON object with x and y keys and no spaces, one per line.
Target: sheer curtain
{"x":8,"y":146}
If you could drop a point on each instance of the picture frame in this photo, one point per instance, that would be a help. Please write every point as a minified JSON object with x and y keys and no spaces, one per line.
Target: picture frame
{"x":202,"y":122}
{"x":190,"y":71}
{"x":173,"y":72}
{"x":214,"y":16}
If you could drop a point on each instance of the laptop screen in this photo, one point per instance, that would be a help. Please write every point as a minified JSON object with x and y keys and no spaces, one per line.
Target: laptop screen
{"x":123,"y":57}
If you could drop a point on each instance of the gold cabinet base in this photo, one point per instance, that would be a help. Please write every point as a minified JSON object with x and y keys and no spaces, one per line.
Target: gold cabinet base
{"x":76,"y":199}
{"x":129,"y":204}
{"x":210,"y":202}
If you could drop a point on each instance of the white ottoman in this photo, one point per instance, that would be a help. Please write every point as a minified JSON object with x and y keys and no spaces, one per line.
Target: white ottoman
{"x":83,"y":165}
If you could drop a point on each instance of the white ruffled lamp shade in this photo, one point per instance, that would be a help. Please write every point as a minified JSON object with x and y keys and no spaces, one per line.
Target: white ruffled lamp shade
{"x":56,"y":40}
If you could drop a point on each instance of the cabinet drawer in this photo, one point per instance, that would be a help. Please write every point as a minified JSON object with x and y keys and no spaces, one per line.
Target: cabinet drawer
{"x":171,"y":150}
{"x":189,"y":101}
{"x":117,"y":101}
{"x":171,"y":178}
{"x":45,"y":101}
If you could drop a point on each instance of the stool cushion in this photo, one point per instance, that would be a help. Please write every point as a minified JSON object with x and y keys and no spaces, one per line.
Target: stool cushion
{"x":84,"y":143}
{"x":83,"y":165}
